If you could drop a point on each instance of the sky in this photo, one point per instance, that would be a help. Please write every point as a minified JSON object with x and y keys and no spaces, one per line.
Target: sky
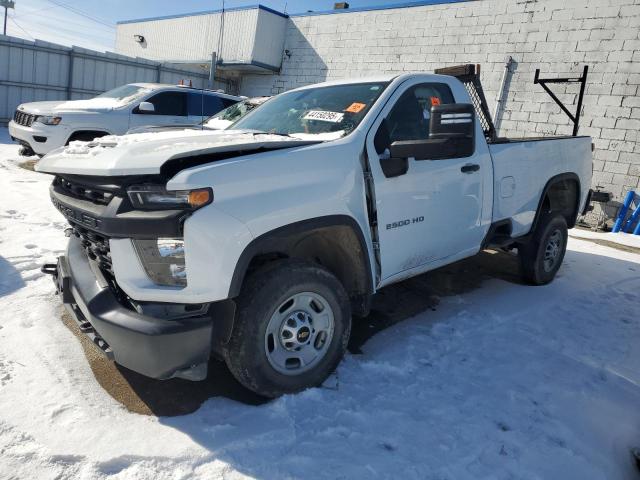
{"x":91,"y":23}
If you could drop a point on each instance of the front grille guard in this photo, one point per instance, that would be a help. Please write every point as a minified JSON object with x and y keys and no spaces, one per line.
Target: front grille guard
{"x":95,"y":195}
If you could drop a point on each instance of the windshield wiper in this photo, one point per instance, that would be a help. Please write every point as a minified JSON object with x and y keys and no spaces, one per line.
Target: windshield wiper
{"x":273,"y":133}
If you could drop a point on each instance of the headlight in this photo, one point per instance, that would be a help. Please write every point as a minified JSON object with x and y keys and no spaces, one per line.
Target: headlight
{"x":154,"y":197}
{"x":163,"y":260}
{"x":48,"y":120}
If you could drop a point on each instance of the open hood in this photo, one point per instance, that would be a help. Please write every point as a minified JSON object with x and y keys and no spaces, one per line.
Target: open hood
{"x":145,"y":153}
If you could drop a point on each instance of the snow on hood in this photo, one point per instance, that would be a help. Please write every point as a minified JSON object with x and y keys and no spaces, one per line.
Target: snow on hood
{"x":145,"y":153}
{"x":91,"y":104}
{"x":217,"y":124}
{"x":40,"y":108}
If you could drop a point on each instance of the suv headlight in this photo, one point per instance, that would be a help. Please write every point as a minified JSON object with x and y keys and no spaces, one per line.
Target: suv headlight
{"x":48,"y":120}
{"x":163,"y":260}
{"x":155,"y":197}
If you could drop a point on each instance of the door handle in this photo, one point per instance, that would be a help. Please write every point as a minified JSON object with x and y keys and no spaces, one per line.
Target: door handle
{"x":470,"y":168}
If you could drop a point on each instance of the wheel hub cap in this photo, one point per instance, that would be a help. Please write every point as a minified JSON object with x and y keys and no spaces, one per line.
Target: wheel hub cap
{"x":296,"y":330}
{"x":552,"y":250}
{"x":299,"y":333}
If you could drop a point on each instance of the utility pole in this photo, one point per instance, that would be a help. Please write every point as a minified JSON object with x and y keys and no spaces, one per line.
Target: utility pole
{"x":7,"y":4}
{"x":212,"y":69}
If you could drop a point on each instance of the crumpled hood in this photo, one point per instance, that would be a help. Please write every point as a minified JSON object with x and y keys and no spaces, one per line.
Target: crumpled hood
{"x":145,"y":153}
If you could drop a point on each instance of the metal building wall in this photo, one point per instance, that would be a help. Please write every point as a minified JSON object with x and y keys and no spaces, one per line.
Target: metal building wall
{"x":251,"y":36}
{"x":193,"y":38}
{"x":270,"y":33}
{"x":173,"y":39}
{"x":35,"y":71}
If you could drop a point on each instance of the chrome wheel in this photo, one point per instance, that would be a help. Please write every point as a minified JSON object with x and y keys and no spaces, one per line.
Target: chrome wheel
{"x":552,"y":250}
{"x":299,"y":333}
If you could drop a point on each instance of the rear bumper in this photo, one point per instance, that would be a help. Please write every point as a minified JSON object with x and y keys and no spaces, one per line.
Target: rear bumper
{"x":40,"y":138}
{"x":157,"y":348}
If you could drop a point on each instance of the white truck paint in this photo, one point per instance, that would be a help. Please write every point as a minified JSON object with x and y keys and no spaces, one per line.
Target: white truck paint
{"x":44,"y":126}
{"x":434,"y":213}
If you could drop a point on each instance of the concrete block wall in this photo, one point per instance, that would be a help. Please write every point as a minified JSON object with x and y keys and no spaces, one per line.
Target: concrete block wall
{"x":557,"y":36}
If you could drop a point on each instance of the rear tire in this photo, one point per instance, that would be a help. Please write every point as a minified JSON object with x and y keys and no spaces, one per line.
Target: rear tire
{"x":541,"y":258}
{"x":291,"y":329}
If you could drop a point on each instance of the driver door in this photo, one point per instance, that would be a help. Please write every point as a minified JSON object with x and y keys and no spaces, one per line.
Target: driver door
{"x":429,"y":211}
{"x":170,"y":108}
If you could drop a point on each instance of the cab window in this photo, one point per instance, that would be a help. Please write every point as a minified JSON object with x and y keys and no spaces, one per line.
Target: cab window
{"x":409,"y":118}
{"x":170,"y":103}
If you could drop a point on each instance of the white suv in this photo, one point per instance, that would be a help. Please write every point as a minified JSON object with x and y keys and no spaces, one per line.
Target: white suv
{"x":44,"y":126}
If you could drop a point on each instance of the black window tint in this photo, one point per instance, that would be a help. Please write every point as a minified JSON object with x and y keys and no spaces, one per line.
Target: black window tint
{"x":409,"y":118}
{"x":227,"y":102}
{"x":170,"y":103}
{"x":195,"y":104}
{"x":212,"y":105}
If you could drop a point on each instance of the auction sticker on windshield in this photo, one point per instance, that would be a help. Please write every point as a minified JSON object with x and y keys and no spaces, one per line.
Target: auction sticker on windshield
{"x":323,"y":116}
{"x":355,"y":107}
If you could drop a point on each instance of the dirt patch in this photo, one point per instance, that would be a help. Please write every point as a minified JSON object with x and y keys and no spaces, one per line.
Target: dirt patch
{"x":391,"y":305}
{"x":140,"y":394}
{"x":29,"y":164}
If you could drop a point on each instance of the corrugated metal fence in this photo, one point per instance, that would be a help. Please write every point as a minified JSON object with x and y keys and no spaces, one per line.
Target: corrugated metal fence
{"x":36,"y":71}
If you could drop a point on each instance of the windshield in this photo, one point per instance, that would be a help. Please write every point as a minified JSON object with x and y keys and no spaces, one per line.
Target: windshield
{"x":125,"y":93}
{"x":232,"y":113}
{"x":336,"y":109}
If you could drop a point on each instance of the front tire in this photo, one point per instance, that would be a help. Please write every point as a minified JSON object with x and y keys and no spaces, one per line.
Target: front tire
{"x":291,"y":329}
{"x":541,"y":258}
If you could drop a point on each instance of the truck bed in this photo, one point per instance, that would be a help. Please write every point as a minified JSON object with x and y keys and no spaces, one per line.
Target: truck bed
{"x":529,"y":139}
{"x":522,"y":167}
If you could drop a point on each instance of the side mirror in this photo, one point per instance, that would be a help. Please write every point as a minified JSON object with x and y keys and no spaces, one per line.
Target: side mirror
{"x":451,"y":135}
{"x":455,"y":120}
{"x":146,"y":107}
{"x":391,"y":166}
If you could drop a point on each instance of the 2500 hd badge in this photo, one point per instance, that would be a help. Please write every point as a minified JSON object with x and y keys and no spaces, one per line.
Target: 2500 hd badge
{"x":404,"y":223}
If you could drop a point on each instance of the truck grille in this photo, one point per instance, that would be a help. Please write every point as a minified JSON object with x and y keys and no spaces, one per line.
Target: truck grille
{"x":96,"y":246}
{"x":84,"y":192}
{"x":24,"y":119}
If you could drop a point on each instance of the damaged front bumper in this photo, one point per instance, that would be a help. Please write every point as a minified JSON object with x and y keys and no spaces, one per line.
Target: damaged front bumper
{"x":155,"y":347}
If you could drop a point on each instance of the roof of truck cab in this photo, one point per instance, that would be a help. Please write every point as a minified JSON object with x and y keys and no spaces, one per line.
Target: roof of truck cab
{"x":374,"y":79}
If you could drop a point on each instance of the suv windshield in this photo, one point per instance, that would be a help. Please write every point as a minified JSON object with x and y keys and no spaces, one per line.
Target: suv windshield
{"x":232,"y":113}
{"x":125,"y":93}
{"x":335,"y":110}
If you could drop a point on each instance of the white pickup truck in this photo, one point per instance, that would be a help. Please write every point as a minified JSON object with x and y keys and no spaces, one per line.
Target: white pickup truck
{"x":259,"y":243}
{"x":41,"y":127}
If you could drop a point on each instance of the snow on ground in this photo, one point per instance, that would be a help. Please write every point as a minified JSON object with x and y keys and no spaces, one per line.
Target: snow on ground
{"x":506,"y":381}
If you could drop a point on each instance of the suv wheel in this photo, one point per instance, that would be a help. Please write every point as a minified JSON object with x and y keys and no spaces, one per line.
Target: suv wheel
{"x":541,"y":258}
{"x":291,"y":329}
